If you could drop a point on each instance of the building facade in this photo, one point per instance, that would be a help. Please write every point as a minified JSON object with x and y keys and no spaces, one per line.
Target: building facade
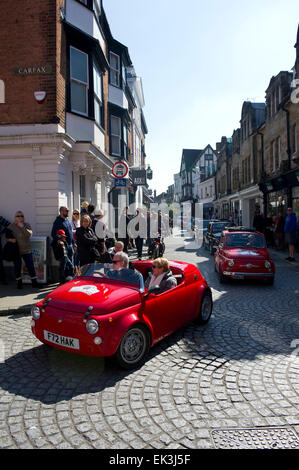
{"x":66,"y":109}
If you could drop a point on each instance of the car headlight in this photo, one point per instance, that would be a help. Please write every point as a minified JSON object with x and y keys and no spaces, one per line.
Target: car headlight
{"x":231,"y":262}
{"x":35,"y":311}
{"x":92,"y":327}
{"x":267,"y":264}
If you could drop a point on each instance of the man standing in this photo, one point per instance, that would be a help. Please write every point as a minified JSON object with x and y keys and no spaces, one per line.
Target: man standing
{"x":63,"y":223}
{"x":290,"y":227}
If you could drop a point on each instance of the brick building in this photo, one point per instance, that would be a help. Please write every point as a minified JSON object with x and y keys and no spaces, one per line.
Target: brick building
{"x":66,"y":109}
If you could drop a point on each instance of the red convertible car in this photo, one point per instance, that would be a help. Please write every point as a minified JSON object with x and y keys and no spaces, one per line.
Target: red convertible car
{"x":104,"y":312}
{"x":243,"y":254}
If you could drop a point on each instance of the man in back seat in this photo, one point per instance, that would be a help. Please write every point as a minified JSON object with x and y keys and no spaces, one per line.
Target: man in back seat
{"x":161,"y":276}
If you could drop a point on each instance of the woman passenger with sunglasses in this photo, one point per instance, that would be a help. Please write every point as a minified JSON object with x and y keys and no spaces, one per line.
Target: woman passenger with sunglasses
{"x":20,"y":232}
{"x":161,"y":276}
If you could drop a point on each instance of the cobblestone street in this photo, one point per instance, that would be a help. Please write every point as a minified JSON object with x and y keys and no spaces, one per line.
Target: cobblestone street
{"x":230,"y":384}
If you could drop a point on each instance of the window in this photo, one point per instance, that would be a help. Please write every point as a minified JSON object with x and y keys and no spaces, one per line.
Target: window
{"x":114,"y":69}
{"x":126,"y":150}
{"x":115,"y":135}
{"x":98,"y":99}
{"x":79,"y":81}
{"x":82,"y":187}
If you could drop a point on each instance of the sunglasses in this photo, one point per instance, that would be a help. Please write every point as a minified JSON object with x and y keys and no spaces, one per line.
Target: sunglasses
{"x":155,"y":266}
{"x":20,"y":216}
{"x":75,"y":213}
{"x":116,"y":261}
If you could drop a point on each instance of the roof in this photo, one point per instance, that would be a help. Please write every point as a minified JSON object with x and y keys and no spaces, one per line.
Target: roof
{"x":190,"y":156}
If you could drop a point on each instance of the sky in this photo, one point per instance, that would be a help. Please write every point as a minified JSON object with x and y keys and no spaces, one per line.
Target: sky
{"x":199,"y":61}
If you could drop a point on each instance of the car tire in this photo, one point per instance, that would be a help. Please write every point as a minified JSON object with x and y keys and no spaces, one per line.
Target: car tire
{"x":270,"y":282}
{"x":206,"y":308}
{"x":133,"y":347}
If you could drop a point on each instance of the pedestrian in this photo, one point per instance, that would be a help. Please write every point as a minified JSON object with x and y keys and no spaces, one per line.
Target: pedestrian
{"x":62,"y":222}
{"x":3,"y":225}
{"x":75,"y":221}
{"x":90,"y":211}
{"x":99,"y":229}
{"x":84,"y":207}
{"x":19,"y":233}
{"x":61,"y":250}
{"x":279,"y":231}
{"x":75,"y":224}
{"x":87,"y":242}
{"x":119,"y":246}
{"x":258,"y":222}
{"x":269,"y":231}
{"x":141,"y":228}
{"x":123,"y":228}
{"x":290,"y":228}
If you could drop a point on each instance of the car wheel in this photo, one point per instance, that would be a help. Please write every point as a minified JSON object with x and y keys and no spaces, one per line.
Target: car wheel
{"x":206,"y":308}
{"x":133,"y":347}
{"x":270,"y":281}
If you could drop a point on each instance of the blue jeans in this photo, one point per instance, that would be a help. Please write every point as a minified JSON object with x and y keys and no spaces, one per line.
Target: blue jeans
{"x":66,"y":269}
{"x":28,"y":259}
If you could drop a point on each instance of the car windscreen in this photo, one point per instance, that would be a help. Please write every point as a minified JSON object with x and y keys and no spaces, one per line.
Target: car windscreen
{"x":107,"y":271}
{"x":252,"y":240}
{"x":219,"y":226}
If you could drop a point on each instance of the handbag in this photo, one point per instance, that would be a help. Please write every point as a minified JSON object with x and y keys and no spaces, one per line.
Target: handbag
{"x":10,"y":251}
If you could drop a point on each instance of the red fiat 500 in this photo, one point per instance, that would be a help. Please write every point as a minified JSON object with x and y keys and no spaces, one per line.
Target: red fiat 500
{"x":105,"y":312}
{"x":243,"y":254}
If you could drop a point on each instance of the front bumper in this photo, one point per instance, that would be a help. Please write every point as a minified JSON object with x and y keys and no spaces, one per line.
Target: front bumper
{"x":241,"y":275}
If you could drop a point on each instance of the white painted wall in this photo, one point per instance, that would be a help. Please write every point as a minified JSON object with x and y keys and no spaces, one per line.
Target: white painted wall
{"x":84,"y":129}
{"x":118,"y":97}
{"x":17,"y":191}
{"x":84,"y":19}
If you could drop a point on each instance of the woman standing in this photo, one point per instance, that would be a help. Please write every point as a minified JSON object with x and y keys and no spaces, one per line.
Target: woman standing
{"x":86,"y":241}
{"x":75,"y":221}
{"x":75,"y":224}
{"x":20,"y":232}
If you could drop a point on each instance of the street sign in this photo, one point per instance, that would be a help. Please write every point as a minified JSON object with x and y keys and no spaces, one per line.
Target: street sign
{"x":138,"y":177}
{"x":120,"y":169}
{"x":120,"y":182}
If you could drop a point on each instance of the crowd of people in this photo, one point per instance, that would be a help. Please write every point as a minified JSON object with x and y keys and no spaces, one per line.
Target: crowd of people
{"x":76,"y":240}
{"x":280,"y":231}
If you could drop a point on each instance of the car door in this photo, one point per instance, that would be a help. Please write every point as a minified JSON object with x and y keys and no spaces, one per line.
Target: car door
{"x":166,"y":311}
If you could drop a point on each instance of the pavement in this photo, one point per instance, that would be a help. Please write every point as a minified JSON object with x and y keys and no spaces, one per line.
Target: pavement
{"x":231,"y":384}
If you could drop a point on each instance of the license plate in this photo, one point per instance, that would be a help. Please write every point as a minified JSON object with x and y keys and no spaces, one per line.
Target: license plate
{"x":72,"y":343}
{"x":238,"y":276}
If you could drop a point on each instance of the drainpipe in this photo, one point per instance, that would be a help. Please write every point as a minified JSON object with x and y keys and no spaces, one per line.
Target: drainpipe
{"x":289,"y":190}
{"x":263,"y":171}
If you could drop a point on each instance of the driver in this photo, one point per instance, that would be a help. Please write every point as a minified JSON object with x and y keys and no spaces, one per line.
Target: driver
{"x":121,"y":269}
{"x":161,"y":276}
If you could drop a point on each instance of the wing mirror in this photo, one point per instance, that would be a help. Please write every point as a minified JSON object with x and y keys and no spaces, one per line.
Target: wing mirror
{"x":153,"y":290}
